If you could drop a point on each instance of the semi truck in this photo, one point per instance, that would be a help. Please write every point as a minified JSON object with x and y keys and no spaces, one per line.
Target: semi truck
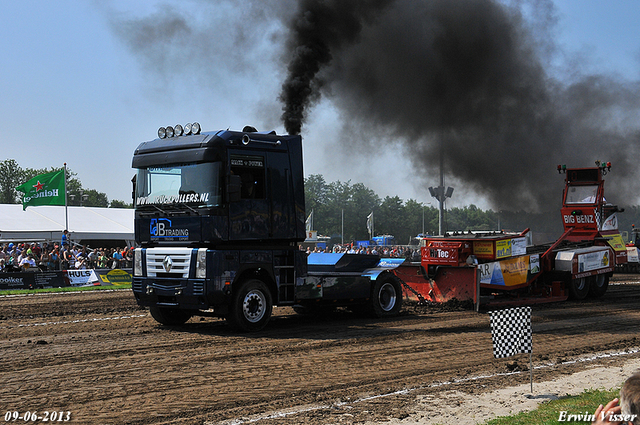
{"x":219,"y":217}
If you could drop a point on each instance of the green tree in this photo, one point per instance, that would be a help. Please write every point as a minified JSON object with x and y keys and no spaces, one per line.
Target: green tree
{"x":364,"y":201}
{"x":338,"y":200}
{"x":417,"y":219}
{"x":390,"y":214}
{"x":120,"y":204}
{"x":11,"y":176}
{"x":315,"y":191}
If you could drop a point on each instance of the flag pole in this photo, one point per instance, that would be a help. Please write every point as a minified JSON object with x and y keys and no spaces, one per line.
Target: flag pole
{"x":66,"y":210}
{"x":531,"y":371}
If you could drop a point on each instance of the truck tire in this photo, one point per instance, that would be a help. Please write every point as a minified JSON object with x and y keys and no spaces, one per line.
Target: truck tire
{"x":170,"y":316}
{"x":578,"y":288}
{"x":386,"y":298}
{"x":251,"y":307}
{"x":598,"y":285}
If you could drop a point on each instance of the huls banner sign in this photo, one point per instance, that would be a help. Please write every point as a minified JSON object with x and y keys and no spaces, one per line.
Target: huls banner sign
{"x":45,"y":189}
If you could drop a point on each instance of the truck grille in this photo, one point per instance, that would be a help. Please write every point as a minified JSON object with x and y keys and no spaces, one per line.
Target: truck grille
{"x":168,"y":262}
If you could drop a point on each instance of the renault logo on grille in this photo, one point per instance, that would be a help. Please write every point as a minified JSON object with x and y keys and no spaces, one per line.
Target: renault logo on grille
{"x":167,"y":263}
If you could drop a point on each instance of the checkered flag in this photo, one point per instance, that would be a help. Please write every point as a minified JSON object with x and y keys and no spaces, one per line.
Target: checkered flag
{"x":511,"y":331}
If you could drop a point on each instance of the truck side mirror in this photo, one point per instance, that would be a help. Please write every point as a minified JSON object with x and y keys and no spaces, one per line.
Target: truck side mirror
{"x":233,"y":188}
{"x":133,"y":190}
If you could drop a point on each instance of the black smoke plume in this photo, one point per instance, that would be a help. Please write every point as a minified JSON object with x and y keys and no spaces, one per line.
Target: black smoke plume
{"x":470,"y":80}
{"x":318,"y":29}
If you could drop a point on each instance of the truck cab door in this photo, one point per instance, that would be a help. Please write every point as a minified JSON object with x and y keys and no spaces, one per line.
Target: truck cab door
{"x":249,"y":216}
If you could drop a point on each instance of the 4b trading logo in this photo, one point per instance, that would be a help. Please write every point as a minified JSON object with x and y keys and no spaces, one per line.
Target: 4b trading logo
{"x":158,"y":225}
{"x":161,"y":228}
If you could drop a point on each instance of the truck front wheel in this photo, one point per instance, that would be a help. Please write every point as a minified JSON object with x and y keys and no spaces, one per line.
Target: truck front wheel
{"x":598,"y":285}
{"x":578,"y":288}
{"x":251,"y":307}
{"x":386,"y":299}
{"x":170,"y":316}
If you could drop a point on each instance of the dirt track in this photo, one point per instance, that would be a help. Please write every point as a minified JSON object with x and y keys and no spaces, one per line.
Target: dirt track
{"x":100,"y":357}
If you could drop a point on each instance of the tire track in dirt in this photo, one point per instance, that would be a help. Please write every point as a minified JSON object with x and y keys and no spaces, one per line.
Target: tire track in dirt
{"x":136,"y":371}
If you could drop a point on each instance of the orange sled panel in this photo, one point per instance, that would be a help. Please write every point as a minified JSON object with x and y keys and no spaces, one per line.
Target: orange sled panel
{"x":448,"y":283}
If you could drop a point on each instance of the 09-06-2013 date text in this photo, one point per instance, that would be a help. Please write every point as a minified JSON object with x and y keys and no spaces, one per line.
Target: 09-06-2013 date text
{"x":46,"y":416}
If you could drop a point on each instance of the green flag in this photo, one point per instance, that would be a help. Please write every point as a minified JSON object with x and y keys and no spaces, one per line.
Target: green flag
{"x":45,"y":189}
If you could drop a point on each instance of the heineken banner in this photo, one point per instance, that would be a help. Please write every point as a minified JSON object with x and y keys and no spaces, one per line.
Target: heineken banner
{"x":45,"y":189}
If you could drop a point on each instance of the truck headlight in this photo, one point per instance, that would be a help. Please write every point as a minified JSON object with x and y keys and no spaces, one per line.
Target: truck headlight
{"x":201,"y":263}
{"x":137,"y":262}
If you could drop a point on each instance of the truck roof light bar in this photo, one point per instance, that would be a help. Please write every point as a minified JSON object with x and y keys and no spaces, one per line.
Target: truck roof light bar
{"x":178,"y":130}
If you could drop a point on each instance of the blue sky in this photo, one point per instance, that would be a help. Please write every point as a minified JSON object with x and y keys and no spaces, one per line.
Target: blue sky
{"x":75,"y":90}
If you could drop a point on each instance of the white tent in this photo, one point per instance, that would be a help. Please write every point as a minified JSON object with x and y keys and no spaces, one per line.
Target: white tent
{"x":46,"y":223}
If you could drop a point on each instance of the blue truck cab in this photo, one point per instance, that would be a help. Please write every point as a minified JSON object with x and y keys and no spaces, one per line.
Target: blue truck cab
{"x":219,"y":217}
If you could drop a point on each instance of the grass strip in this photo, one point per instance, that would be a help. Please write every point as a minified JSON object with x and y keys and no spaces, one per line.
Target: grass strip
{"x":65,"y":289}
{"x":549,"y":413}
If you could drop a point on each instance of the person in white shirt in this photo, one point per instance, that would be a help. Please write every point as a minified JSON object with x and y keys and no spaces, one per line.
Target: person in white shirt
{"x":28,"y":262}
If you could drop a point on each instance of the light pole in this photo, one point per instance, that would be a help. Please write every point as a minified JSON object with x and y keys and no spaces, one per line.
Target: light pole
{"x":82,"y":198}
{"x":440,"y":193}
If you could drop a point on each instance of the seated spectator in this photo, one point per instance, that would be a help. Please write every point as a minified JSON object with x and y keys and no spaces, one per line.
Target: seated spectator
{"x":81,"y":262}
{"x":28,"y":262}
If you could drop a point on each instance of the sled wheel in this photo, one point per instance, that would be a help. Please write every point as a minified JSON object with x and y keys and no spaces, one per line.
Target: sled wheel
{"x":578,"y":288}
{"x":386,"y":299}
{"x":170,"y":316}
{"x":598,"y":285}
{"x":251,"y":307}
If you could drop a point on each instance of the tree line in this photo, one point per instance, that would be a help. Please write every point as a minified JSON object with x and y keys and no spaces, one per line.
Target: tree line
{"x":12,"y":176}
{"x":337,"y":205}
{"x":330,"y":202}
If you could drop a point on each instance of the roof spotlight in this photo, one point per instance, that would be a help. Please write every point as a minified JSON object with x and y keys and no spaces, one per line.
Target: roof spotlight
{"x":162,"y":132}
{"x":195,"y":128}
{"x":178,"y":129}
{"x":187,"y":129}
{"x":169,"y":131}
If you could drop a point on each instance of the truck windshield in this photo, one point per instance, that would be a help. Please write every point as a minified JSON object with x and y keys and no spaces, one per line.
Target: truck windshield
{"x":189,"y":184}
{"x":582,"y":194}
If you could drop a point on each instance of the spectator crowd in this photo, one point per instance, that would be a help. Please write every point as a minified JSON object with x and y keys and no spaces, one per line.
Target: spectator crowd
{"x":412,"y":253}
{"x":50,"y":256}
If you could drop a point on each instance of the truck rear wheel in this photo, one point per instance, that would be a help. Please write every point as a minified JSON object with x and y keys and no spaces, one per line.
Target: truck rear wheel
{"x":386,"y":299}
{"x":170,"y":316}
{"x":251,"y":307}
{"x":578,"y":288}
{"x":598,"y":285}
